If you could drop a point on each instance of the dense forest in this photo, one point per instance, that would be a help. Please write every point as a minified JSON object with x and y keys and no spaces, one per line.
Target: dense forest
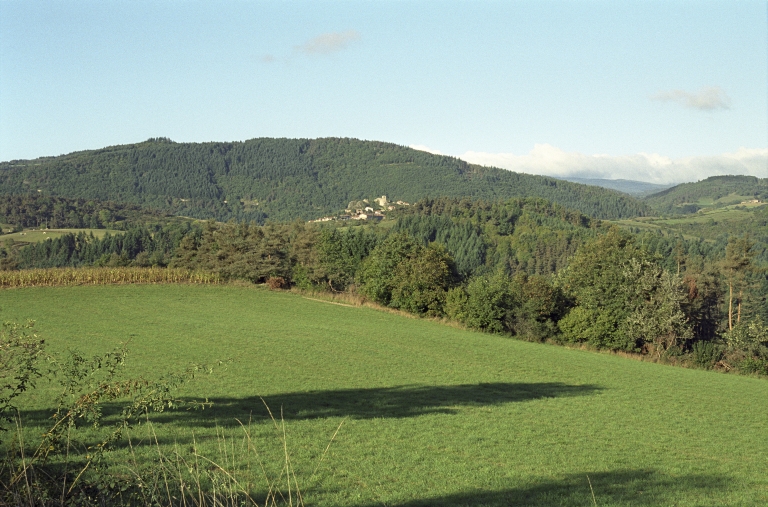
{"x":39,"y":211}
{"x":284,"y":179}
{"x":139,"y":245}
{"x":530,"y":235}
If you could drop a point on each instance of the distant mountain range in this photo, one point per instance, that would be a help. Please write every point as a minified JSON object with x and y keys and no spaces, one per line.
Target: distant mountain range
{"x":631,"y":187}
{"x":285,"y":179}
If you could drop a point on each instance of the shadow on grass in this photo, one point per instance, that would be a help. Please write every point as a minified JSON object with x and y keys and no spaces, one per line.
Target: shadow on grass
{"x":621,"y":487}
{"x":382,"y":402}
{"x":387,"y":402}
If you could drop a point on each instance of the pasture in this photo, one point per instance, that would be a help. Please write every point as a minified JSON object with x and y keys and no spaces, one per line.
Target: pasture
{"x":429,"y":414}
{"x":729,"y":199}
{"x":705,"y":224}
{"x":37,"y":235}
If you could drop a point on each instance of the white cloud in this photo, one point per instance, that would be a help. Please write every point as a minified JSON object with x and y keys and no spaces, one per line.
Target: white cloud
{"x":327,"y":43}
{"x":708,"y":98}
{"x":421,"y":147}
{"x":548,"y":160}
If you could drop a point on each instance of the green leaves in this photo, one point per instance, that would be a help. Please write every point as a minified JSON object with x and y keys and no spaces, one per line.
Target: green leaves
{"x":623,"y":299}
{"x":486,"y":303}
{"x":402,"y":273}
{"x":20,"y":351}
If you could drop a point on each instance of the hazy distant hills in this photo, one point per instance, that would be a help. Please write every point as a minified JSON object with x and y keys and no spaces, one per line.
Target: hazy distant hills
{"x":713,"y":191}
{"x":631,"y":187}
{"x":284,"y":179}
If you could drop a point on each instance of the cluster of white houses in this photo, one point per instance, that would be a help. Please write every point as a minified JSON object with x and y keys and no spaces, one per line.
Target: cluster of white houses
{"x":362,"y":210}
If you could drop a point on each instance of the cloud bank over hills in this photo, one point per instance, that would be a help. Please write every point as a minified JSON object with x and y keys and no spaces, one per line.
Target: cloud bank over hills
{"x":549,"y":160}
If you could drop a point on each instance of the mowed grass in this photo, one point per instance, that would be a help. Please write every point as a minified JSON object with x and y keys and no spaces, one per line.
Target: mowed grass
{"x":432,"y":415}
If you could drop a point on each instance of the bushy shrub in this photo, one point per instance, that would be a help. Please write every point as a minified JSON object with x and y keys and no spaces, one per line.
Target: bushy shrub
{"x":541,"y":306}
{"x":405,"y":274}
{"x":623,"y":299}
{"x":486,"y":303}
{"x":32,"y":473}
{"x":526,"y":306}
{"x":597,"y":327}
{"x":750,"y":337}
{"x":754,"y":365}
{"x":375,"y":277}
{"x":747,"y":346}
{"x":301,"y":279}
{"x":420,"y":282}
{"x":20,"y":351}
{"x":706,"y":354}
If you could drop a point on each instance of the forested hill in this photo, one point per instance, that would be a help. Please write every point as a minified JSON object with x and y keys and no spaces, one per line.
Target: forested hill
{"x":283,"y":179}
{"x":36,"y":210}
{"x":713,"y":191}
{"x":631,"y":187}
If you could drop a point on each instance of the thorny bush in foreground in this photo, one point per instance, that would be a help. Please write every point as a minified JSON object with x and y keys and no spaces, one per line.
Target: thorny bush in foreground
{"x":64,"y":467}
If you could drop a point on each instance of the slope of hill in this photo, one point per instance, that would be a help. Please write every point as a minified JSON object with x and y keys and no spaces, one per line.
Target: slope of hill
{"x":713,"y":191}
{"x":284,"y":179}
{"x":58,"y":212}
{"x":431,"y":415}
{"x":631,"y":187}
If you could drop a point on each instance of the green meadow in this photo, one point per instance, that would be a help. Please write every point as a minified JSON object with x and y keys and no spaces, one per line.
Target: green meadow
{"x":37,"y":235}
{"x":429,"y":414}
{"x":727,"y":214}
{"x":732,"y":198}
{"x":706,"y":223}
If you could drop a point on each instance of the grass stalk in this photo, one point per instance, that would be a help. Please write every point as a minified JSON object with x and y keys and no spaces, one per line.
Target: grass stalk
{"x":594,"y":501}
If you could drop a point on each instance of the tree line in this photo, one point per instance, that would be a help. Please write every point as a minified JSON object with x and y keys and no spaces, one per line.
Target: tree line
{"x":523,"y":267}
{"x":141,"y":245}
{"x":35,"y":210}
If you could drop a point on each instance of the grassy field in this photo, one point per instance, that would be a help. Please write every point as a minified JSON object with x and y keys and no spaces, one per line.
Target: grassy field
{"x":432,"y":415}
{"x":726,"y":199}
{"x":705,"y":224}
{"x":727,"y":214}
{"x":36,"y":235}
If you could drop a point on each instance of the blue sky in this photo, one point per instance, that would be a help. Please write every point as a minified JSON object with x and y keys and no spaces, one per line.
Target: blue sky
{"x":657,"y":91}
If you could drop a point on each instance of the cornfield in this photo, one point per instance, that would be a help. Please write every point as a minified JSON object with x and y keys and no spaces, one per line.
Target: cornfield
{"x":103,"y":276}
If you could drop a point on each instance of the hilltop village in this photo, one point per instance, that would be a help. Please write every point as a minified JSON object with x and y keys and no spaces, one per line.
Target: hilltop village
{"x":365,"y":210}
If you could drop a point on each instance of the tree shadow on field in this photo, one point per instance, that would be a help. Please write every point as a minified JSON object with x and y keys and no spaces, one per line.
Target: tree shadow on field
{"x":622,"y":487}
{"x":370,"y":403}
{"x":382,"y":402}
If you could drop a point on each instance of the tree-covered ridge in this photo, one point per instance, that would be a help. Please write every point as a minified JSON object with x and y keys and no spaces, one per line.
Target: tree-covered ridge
{"x":713,"y":191}
{"x":631,"y":187}
{"x":283,"y":179}
{"x":530,"y":235}
{"x":61,"y":213}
